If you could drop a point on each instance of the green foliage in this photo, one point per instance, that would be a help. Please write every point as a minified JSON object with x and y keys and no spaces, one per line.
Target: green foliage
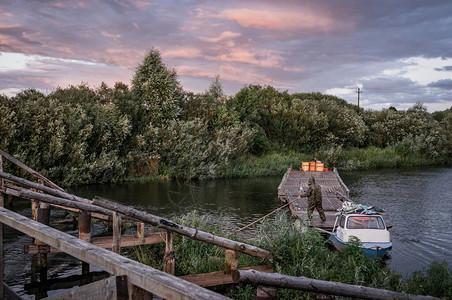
{"x":80,"y":135}
{"x":157,"y":89}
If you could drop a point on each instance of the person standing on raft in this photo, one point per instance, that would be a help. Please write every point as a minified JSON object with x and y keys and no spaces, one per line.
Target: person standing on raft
{"x":314,"y":195}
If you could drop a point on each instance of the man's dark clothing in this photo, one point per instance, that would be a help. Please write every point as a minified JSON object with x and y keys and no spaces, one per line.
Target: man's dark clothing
{"x":315,"y":201}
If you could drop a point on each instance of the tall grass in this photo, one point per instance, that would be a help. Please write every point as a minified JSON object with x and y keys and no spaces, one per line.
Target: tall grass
{"x":345,"y":159}
{"x":377,"y":158}
{"x":265,"y":165}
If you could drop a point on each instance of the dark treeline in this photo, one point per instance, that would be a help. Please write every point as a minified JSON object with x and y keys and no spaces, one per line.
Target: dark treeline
{"x":154,"y":128}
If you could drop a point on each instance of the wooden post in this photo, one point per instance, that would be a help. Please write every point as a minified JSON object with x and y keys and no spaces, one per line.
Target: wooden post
{"x":192,"y":233}
{"x":44,"y":218}
{"x":138,"y":293}
{"x":231,"y":261}
{"x":84,"y":233}
{"x":140,"y":230}
{"x":116,"y":247}
{"x":1,"y":232}
{"x":34,"y":209}
{"x":169,"y":260}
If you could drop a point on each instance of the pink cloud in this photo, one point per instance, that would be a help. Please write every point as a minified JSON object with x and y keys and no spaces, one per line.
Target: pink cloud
{"x":226,"y":35}
{"x":141,"y":5}
{"x":262,"y":58}
{"x":110,"y":35}
{"x":230,"y":73}
{"x":276,"y":20}
{"x":182,"y":53}
{"x":125,"y":58}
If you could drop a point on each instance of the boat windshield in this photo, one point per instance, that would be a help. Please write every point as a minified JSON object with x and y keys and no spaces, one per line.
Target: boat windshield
{"x":365,"y":222}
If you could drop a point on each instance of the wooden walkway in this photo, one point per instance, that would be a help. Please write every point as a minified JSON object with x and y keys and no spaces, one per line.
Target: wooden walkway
{"x":131,"y":279}
{"x":331,"y":185}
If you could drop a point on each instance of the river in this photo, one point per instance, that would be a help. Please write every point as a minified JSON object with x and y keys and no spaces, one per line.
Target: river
{"x":418,"y":202}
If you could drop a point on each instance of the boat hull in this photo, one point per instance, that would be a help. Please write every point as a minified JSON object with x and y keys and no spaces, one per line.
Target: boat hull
{"x":369,"y":249}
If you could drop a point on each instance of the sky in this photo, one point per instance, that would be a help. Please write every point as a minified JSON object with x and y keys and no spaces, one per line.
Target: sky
{"x":397,"y":52}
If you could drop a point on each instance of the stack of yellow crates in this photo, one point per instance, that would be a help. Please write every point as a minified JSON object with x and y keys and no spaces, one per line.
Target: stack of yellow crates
{"x":312,"y":166}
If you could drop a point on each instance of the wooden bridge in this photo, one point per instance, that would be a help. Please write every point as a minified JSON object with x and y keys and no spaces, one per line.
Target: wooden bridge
{"x":129,"y":279}
{"x":334,"y":191}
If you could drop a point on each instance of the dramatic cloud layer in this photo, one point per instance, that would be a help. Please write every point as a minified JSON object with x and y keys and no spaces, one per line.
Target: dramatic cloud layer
{"x":397,"y":52}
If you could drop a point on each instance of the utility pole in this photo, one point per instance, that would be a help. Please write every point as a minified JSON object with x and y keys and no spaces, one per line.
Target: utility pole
{"x":359,"y":92}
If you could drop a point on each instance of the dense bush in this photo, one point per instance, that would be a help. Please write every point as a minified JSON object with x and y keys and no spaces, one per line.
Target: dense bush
{"x":153,"y":128}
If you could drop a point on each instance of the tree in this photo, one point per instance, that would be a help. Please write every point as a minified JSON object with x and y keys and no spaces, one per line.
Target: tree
{"x":157,"y":89}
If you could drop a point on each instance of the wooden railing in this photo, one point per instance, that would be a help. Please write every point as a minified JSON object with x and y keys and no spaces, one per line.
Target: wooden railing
{"x":45,"y":194}
{"x":133,"y":280}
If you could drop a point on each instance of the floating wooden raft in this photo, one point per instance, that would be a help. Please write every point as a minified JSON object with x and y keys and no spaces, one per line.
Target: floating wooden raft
{"x":331,"y":185}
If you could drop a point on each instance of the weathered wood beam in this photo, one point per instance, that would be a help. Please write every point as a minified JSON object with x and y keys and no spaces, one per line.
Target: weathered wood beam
{"x":105,"y":242}
{"x":169,"y":259}
{"x":15,"y":191}
{"x":218,"y":277}
{"x":29,"y":170}
{"x":46,"y":189}
{"x":2,"y":203}
{"x":110,"y":288}
{"x":84,"y":233}
{"x":116,"y":247}
{"x":231,"y":261}
{"x":192,"y":233}
{"x":145,"y":277}
{"x":24,"y":193}
{"x":320,"y":286}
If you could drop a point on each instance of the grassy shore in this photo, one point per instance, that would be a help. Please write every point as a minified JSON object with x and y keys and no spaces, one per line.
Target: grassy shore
{"x":298,"y":251}
{"x":344,"y":159}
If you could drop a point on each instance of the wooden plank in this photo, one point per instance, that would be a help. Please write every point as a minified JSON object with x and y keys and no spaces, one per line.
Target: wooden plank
{"x":320,"y":286}
{"x":110,"y":288}
{"x":106,"y":242}
{"x":218,"y":277}
{"x":145,"y":277}
{"x":29,"y":170}
{"x":192,"y":233}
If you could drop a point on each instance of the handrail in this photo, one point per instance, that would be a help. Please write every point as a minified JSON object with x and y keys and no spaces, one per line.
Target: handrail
{"x":30,"y":170}
{"x":192,"y":233}
{"x":145,"y":277}
{"x":347,"y":191}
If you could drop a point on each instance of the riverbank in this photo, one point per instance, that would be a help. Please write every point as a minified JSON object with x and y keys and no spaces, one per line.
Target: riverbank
{"x":299,"y":251}
{"x":343,"y":159}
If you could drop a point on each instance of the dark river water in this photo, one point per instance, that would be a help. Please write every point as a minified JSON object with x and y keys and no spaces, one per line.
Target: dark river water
{"x":418,"y":202}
